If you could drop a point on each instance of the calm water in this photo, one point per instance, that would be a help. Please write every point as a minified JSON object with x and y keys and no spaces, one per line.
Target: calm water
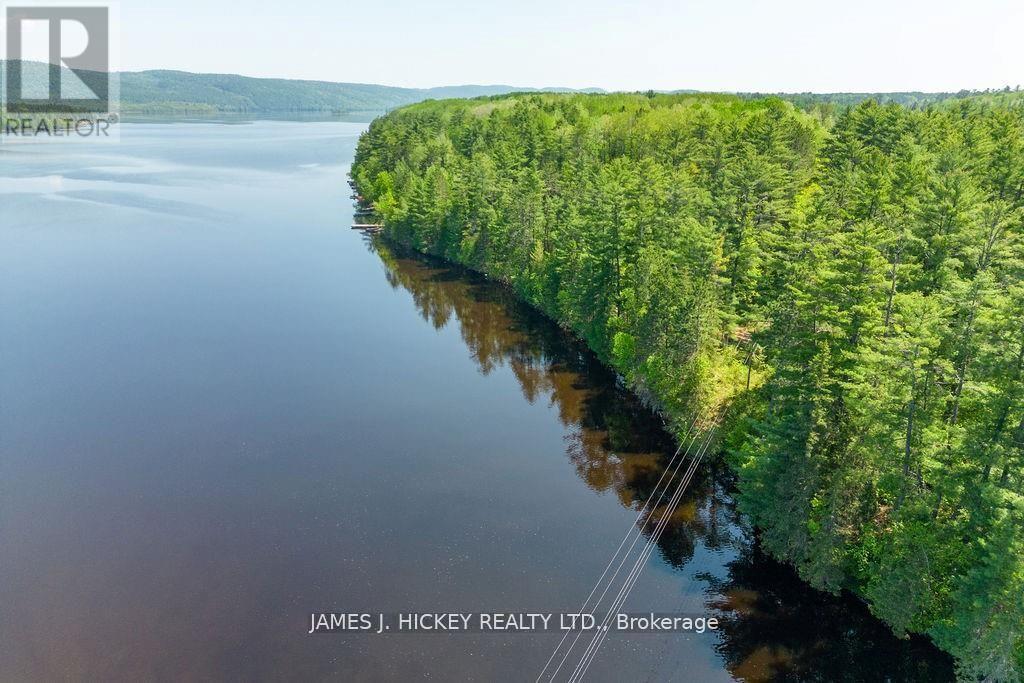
{"x":221,"y":409}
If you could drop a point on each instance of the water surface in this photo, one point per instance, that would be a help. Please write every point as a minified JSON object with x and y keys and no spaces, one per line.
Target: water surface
{"x":221,"y":409}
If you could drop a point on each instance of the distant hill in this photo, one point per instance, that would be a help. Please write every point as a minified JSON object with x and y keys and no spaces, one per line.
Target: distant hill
{"x":163,"y":91}
{"x":224,"y":92}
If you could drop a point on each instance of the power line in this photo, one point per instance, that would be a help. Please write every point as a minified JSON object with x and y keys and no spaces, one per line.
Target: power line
{"x":639,"y":523}
{"x":602,"y":632}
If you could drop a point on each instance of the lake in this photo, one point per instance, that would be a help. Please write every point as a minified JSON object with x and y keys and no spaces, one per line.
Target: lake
{"x":222,"y":410}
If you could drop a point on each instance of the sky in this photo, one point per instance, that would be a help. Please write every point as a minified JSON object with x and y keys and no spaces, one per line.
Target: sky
{"x":720,"y":45}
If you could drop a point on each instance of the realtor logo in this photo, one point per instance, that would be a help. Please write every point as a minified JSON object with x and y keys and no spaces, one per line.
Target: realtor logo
{"x":57,"y":59}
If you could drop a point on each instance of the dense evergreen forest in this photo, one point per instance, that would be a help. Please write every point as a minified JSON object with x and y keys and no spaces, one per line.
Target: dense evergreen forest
{"x":841,"y":287}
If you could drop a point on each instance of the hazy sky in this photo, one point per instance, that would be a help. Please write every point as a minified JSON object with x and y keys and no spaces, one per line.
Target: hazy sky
{"x":777,"y":45}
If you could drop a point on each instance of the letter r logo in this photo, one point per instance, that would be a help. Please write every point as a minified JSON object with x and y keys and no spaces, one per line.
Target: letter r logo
{"x":58,"y":59}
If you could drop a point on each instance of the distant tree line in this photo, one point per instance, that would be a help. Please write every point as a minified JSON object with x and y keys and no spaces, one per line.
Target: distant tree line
{"x":181,"y":92}
{"x":842,"y":284}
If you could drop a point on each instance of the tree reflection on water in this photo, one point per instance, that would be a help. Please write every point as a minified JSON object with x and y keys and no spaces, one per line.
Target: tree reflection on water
{"x":773,"y":626}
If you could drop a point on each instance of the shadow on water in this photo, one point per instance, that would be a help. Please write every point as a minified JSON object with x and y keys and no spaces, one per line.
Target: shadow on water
{"x":773,"y":626}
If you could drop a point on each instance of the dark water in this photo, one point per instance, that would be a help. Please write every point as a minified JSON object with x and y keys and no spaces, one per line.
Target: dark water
{"x":221,"y":409}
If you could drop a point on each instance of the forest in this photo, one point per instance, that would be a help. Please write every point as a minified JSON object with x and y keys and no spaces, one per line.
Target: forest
{"x":840,"y":286}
